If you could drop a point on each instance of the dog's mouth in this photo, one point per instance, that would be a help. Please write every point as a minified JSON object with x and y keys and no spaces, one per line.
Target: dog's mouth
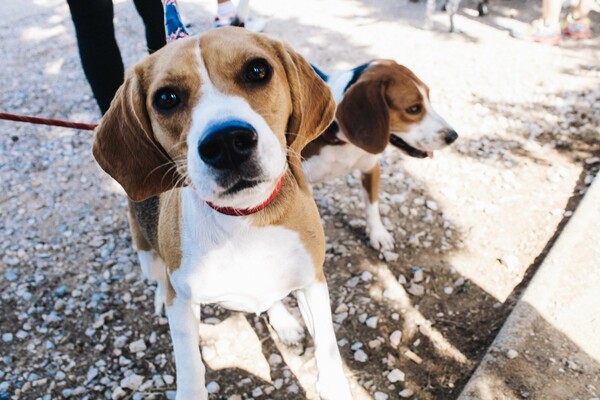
{"x":408,"y":149}
{"x":242,"y":184}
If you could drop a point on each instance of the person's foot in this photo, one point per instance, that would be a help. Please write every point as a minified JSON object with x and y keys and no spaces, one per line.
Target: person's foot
{"x":576,"y":28}
{"x":539,"y":32}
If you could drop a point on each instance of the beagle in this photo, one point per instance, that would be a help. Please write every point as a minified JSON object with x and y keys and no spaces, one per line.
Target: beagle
{"x":379,"y":103}
{"x":207,"y":144}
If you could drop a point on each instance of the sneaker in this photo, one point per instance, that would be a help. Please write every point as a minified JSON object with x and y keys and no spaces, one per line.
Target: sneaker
{"x":539,"y":32}
{"x":224,"y":20}
{"x":576,"y":28}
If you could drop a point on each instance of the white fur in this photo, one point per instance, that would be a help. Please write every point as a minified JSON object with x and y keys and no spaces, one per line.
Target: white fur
{"x":313,"y":301}
{"x":286,"y":326}
{"x":379,"y":237}
{"x":154,"y":269}
{"x":228,"y":261}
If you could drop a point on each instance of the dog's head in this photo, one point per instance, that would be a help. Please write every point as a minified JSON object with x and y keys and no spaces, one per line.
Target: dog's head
{"x":389,"y":104}
{"x":225,"y":112}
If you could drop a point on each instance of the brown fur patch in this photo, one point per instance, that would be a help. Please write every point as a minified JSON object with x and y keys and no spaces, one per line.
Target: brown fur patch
{"x":370,"y":181}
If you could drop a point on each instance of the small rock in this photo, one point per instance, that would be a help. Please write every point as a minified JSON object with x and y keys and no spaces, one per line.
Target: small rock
{"x":132,"y":382}
{"x":396,"y":376}
{"x":169,"y":379}
{"x":372,"y":322}
{"x":406,"y":393}
{"x":91,"y":374}
{"x":341,"y":317}
{"x":360,"y":356}
{"x":120,"y":341}
{"x":7,"y":337}
{"x":416,"y":290}
{"x":395,"y":338}
{"x":137,"y":346}
{"x":417,"y":275}
{"x":512,"y":354}
{"x":390,"y":256}
{"x":402,"y":279}
{"x":275,"y":359}
{"x":118,"y":393}
{"x":213,"y":387}
{"x":352,"y":282}
{"x":432,"y":205}
{"x":373,"y":344}
{"x":257,"y":392}
{"x":366,"y":276}
{"x":448,"y":290}
{"x":381,"y":396}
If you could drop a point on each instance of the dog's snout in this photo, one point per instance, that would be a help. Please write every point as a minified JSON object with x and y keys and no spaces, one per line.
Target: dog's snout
{"x":226,"y":146}
{"x":450,"y":136}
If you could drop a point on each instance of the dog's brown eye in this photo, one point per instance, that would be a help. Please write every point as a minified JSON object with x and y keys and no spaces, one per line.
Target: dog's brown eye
{"x":166,"y":99}
{"x":414,"y":110}
{"x":258,"y":71}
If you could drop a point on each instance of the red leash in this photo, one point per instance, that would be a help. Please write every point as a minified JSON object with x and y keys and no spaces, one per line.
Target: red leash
{"x":48,"y":121}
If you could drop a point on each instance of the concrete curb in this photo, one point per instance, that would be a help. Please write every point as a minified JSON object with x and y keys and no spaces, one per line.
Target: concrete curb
{"x":549,"y":347}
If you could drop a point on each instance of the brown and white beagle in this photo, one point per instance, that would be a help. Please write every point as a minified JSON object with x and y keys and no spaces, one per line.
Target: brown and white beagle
{"x":379,"y":103}
{"x":205,"y":137}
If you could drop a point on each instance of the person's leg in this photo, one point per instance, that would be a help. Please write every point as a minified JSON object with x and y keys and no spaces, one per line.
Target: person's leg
{"x":551,"y":12}
{"x":153,"y":16}
{"x":98,"y":50}
{"x":225,"y":13}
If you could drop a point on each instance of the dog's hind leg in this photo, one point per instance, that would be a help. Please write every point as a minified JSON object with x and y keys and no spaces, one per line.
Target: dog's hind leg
{"x":379,"y":237}
{"x":316,"y":311}
{"x":286,"y":326}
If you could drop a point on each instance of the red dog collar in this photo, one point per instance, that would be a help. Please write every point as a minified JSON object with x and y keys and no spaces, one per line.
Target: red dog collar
{"x":239,"y":212}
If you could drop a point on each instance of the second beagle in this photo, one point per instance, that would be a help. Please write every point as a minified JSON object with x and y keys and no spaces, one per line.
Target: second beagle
{"x":205,"y":137}
{"x":379,"y":103}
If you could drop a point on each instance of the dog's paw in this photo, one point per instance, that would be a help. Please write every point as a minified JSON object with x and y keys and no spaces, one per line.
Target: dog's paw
{"x":288,"y":330}
{"x":381,"y":239}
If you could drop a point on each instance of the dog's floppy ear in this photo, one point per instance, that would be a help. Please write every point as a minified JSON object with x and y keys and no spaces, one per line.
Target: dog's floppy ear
{"x":363,"y":115}
{"x":313,"y":107}
{"x":125,"y":146}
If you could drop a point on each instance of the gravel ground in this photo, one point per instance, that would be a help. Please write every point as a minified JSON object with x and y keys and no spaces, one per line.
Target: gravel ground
{"x":471,"y":225}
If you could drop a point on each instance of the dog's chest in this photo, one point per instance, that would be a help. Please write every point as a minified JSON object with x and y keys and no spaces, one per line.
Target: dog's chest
{"x":334,"y":161}
{"x":242,"y":267}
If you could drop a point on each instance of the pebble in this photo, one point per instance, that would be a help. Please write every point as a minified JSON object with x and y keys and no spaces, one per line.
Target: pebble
{"x":360,"y":356}
{"x":402,"y":279}
{"x":381,"y":396}
{"x":416,"y":290}
{"x":7,"y":337}
{"x":366,"y":276}
{"x":417,"y":275}
{"x":257,"y":392}
{"x":390,"y":256}
{"x":372,"y":322}
{"x":352,"y":282}
{"x":212,"y":387}
{"x":395,"y":338}
{"x":511,"y":353}
{"x":132,"y":381}
{"x":137,"y":346}
{"x":275,"y":359}
{"x":118,"y":393}
{"x":396,"y":376}
{"x":406,"y":393}
{"x":432,"y":205}
{"x":448,"y":290}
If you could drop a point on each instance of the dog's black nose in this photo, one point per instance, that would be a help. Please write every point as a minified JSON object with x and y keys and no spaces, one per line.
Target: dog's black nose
{"x":226,"y":146}
{"x":451,"y":136}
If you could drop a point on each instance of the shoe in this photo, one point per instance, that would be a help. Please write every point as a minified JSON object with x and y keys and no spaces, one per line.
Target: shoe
{"x":254,"y":25}
{"x":539,"y":32}
{"x":224,"y":21}
{"x":576,"y":28}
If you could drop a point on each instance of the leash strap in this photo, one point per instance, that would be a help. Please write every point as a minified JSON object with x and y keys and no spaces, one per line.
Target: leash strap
{"x":47,"y":121}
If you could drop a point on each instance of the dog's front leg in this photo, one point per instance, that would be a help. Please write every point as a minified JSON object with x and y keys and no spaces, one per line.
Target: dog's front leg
{"x":184,"y":320}
{"x":379,"y":237}
{"x":315,"y":308}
